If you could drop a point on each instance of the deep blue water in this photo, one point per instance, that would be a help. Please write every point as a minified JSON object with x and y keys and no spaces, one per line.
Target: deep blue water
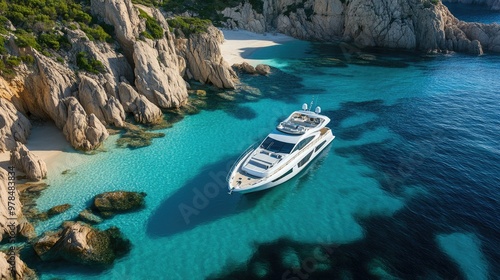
{"x":408,"y":189}
{"x":475,"y":13}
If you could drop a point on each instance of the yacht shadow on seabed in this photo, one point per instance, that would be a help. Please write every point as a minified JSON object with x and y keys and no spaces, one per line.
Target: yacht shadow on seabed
{"x":205,"y":199}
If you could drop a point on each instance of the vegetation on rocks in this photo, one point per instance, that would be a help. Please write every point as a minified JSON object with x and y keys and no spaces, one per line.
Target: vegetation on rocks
{"x":86,"y":63}
{"x":189,"y":25}
{"x":153,"y":29}
{"x":40,"y":24}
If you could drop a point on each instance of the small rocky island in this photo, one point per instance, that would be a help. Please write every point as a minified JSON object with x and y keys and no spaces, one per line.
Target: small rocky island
{"x":94,"y":67}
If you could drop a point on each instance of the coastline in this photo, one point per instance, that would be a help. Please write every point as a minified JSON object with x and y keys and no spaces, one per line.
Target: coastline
{"x":48,"y":142}
{"x":239,"y":45}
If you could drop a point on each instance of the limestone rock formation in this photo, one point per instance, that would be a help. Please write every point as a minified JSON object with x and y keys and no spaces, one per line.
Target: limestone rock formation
{"x":95,"y":101}
{"x":46,"y":87}
{"x":84,"y":132}
{"x":144,"y":111}
{"x":20,"y":226}
{"x":81,"y":243}
{"x":156,"y":74}
{"x":27,"y":162}
{"x":125,"y":19}
{"x":14,"y":126}
{"x":204,"y":59}
{"x":244,"y":16}
{"x":410,"y":24}
{"x":22,"y":271}
{"x":110,"y":203}
{"x":493,"y":4}
{"x":115,"y":65}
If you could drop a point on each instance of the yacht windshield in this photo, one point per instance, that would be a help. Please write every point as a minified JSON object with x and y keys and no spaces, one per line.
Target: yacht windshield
{"x":276,"y":146}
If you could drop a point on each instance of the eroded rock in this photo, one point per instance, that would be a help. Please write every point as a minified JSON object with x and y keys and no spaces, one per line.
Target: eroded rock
{"x":110,"y":203}
{"x":29,"y":163}
{"x":14,"y":126}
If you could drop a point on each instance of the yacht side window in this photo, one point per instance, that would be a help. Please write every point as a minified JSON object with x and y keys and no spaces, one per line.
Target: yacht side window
{"x":276,"y":146}
{"x":303,"y":143}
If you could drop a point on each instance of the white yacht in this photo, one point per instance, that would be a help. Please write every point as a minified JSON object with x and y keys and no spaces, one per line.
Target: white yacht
{"x":288,"y":149}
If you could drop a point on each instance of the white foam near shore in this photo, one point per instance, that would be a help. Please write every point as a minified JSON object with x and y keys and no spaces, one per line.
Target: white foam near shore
{"x":240,"y":44}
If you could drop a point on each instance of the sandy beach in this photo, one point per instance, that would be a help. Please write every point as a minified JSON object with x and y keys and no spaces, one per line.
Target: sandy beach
{"x":239,"y":45}
{"x":48,"y":142}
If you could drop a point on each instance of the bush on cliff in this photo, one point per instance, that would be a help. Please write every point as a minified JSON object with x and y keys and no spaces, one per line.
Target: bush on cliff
{"x":153,"y":29}
{"x":189,"y":25}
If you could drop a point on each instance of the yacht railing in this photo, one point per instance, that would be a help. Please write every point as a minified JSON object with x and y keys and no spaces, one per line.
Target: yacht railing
{"x":252,"y":147}
{"x":248,"y":150}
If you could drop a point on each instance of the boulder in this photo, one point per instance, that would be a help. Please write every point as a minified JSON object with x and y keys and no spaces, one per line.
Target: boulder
{"x":110,"y":203}
{"x":263,"y":69}
{"x":144,"y":110}
{"x":95,"y":101}
{"x":80,"y":243}
{"x":22,"y":271}
{"x":26,"y":161}
{"x":245,"y":67}
{"x":14,"y":126}
{"x":84,"y":132}
{"x":58,"y":209}
{"x":88,"y":217}
{"x":204,"y":59}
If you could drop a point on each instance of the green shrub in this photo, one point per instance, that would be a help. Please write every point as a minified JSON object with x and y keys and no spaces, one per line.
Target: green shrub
{"x":25,"y":39}
{"x":13,"y":61}
{"x":3,"y":50}
{"x":190,"y":25}
{"x":152,"y":27}
{"x":96,"y":32}
{"x":84,"y":62}
{"x":28,"y":59}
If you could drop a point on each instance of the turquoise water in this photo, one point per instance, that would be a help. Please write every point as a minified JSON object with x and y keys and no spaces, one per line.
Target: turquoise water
{"x":408,"y":188}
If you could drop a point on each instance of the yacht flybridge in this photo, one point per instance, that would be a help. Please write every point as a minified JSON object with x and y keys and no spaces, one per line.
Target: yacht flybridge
{"x":288,"y":149}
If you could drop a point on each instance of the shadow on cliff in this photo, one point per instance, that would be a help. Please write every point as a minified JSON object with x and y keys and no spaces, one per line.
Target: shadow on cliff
{"x":204,"y":199}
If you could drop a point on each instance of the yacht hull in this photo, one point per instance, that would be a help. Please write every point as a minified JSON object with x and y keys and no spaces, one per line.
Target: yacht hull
{"x":287,"y":172}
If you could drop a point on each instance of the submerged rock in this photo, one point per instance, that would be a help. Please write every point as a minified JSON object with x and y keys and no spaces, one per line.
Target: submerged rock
{"x":26,"y":161}
{"x":81,"y":243}
{"x":111,"y":203}
{"x":89,"y":217}
{"x":56,"y":210}
{"x":137,"y":137}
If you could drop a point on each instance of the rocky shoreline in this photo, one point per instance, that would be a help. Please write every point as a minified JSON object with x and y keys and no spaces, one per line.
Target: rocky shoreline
{"x":141,"y":77}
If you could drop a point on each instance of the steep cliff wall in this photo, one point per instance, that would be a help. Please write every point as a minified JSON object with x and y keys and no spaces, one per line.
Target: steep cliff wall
{"x":401,"y":24}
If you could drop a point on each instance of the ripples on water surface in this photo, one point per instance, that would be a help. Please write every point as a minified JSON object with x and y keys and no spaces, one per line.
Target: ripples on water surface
{"x":409,"y":187}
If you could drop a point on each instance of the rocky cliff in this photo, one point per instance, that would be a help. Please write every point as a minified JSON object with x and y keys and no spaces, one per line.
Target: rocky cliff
{"x":14,"y":126}
{"x":493,"y":4}
{"x":400,"y":24}
{"x":81,"y":91}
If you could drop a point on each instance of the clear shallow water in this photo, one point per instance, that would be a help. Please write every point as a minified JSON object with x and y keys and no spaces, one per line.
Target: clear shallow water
{"x":408,"y":188}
